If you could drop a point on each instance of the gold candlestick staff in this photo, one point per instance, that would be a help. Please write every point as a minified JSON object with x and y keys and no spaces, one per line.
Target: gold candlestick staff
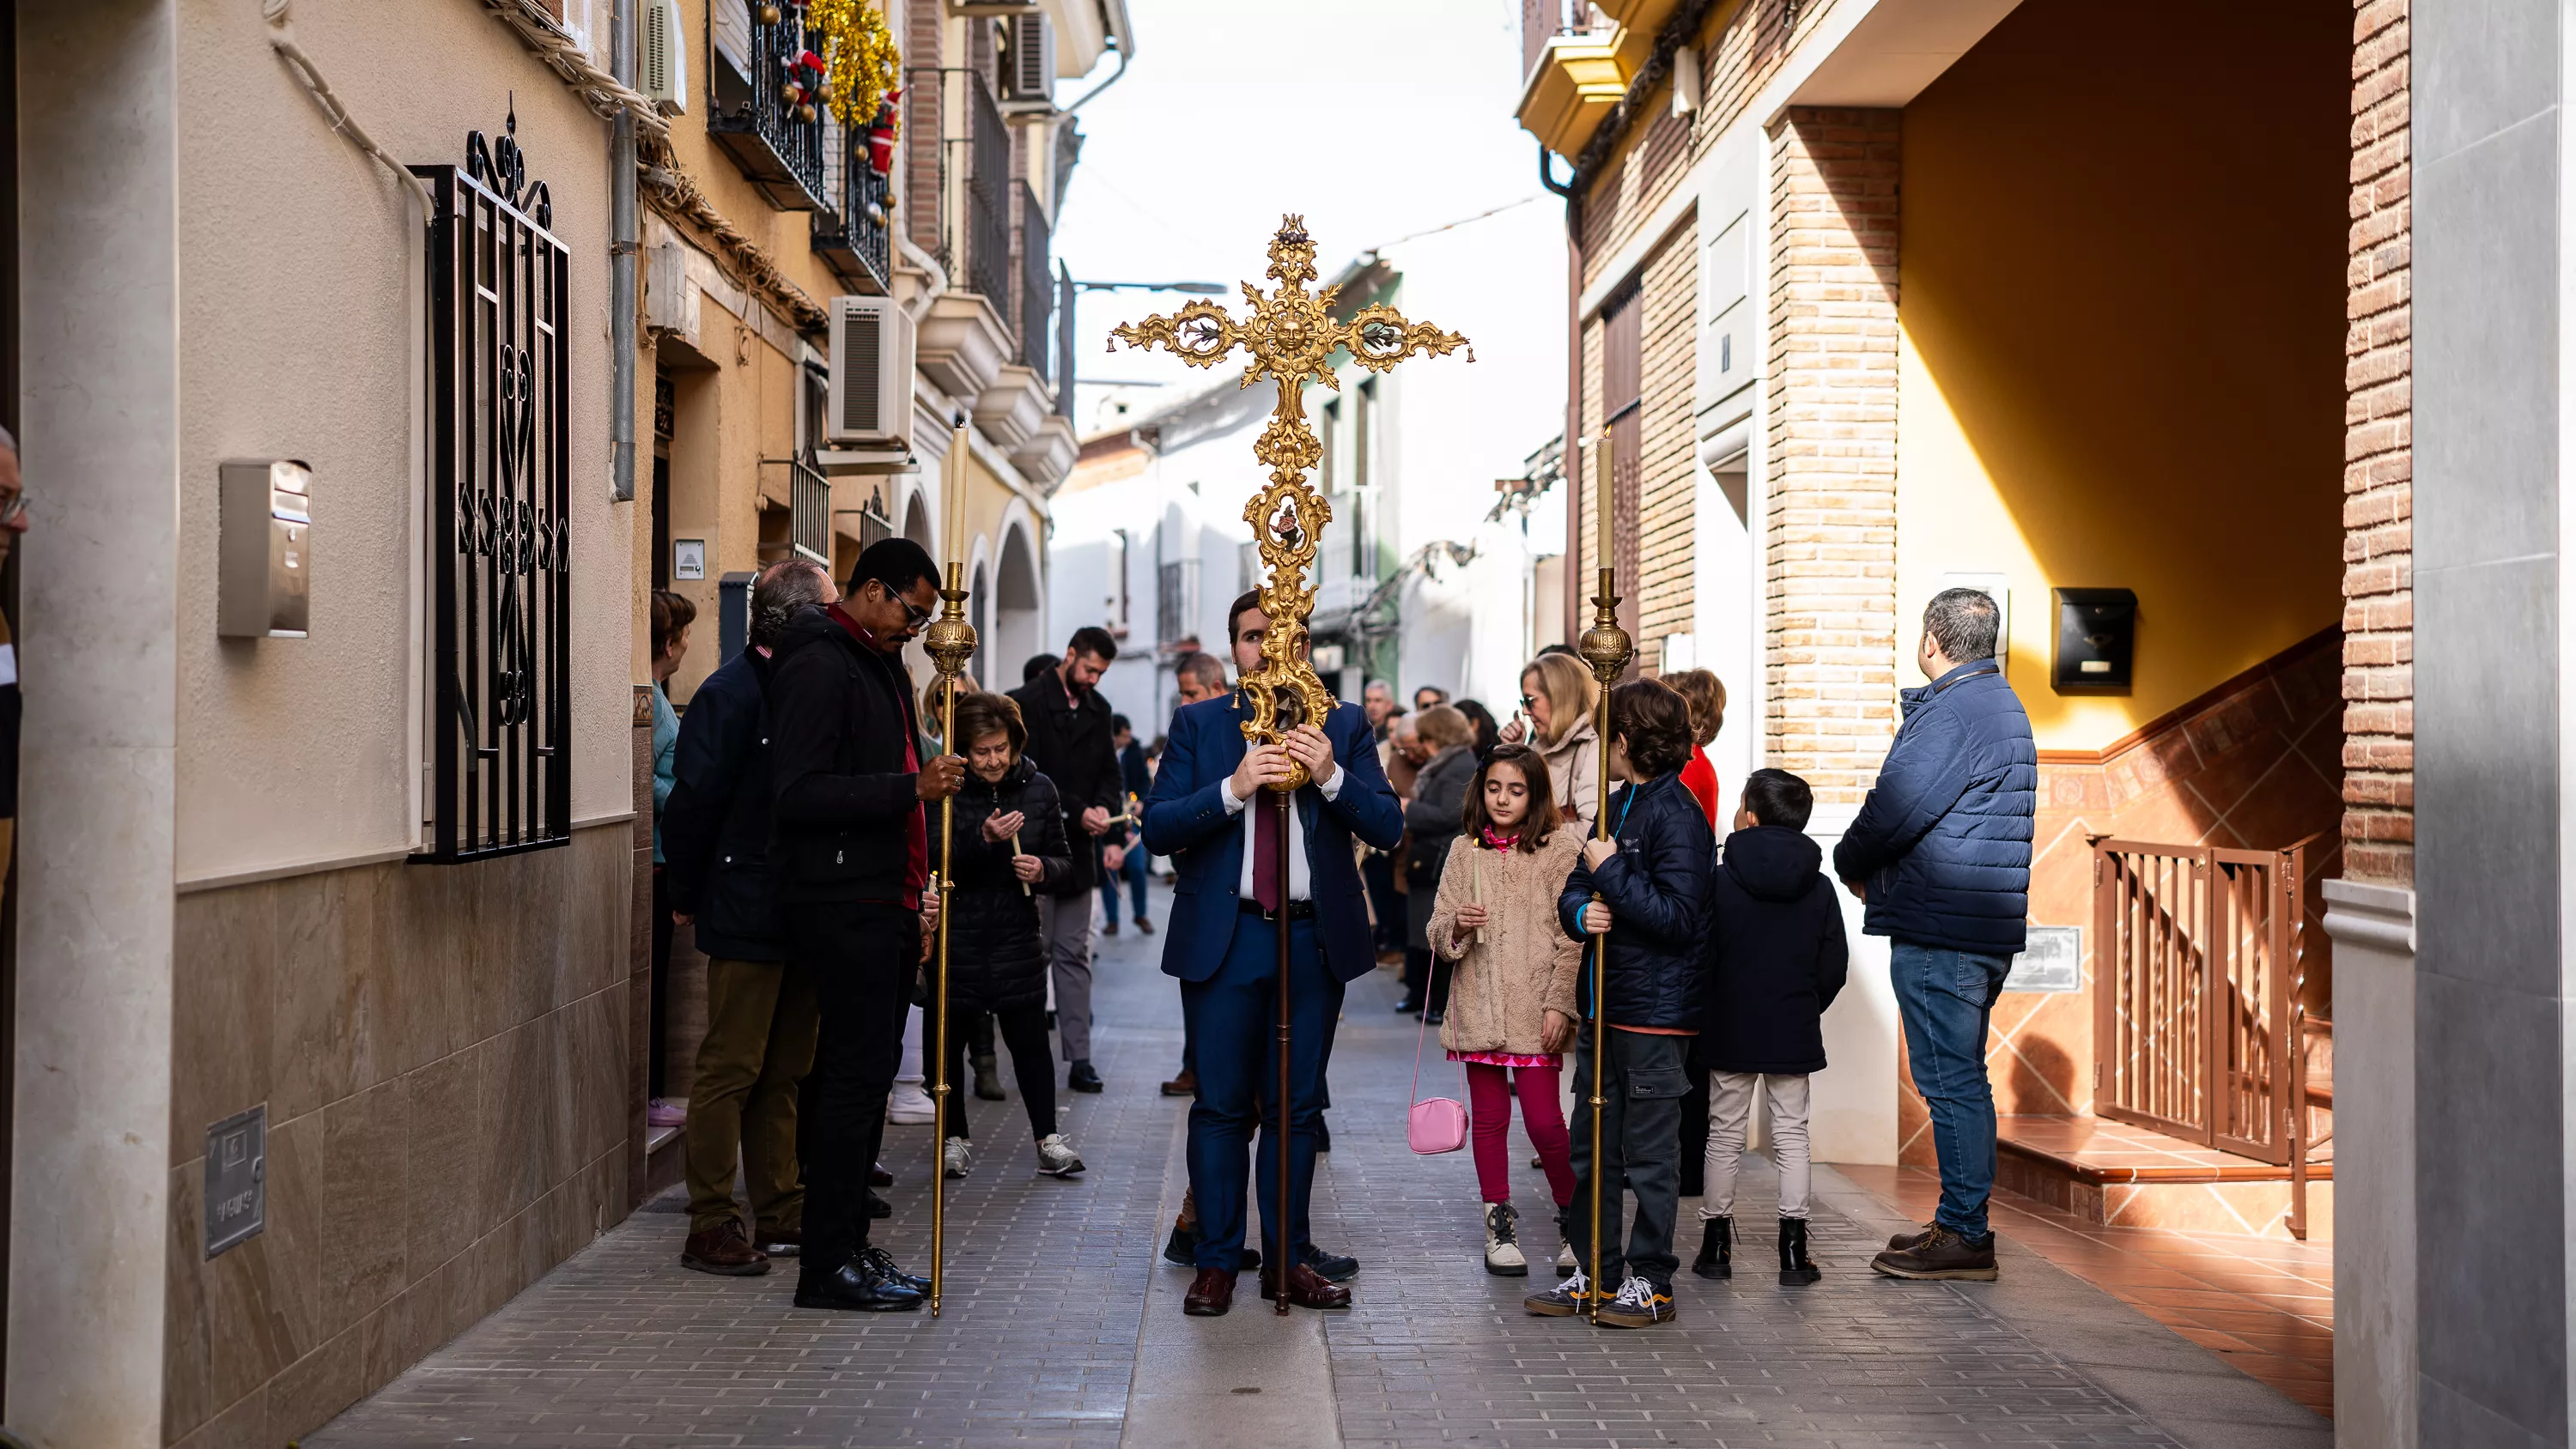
{"x":1606,"y":647}
{"x":950,"y":642}
{"x":1291,"y":336}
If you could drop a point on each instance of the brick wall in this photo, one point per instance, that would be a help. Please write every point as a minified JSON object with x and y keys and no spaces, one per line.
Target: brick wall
{"x":1665,"y":479}
{"x":1831,"y":519}
{"x":2378,"y":480}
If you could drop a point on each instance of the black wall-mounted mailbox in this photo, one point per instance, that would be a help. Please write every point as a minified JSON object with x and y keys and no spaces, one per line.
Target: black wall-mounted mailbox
{"x":2097,"y":635}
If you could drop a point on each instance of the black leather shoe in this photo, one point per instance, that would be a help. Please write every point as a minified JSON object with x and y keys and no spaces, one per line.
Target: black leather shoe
{"x":1081,"y":1078}
{"x":879,"y":1177}
{"x":1434,"y":1017}
{"x":878,"y":1207}
{"x":883,"y":1262}
{"x":1716,"y":1249}
{"x":1182,"y":1246}
{"x":855,"y":1288}
{"x":1332,"y":1267}
{"x":1211,"y":1295}
{"x":1408,"y":1007}
{"x":1795,"y":1265}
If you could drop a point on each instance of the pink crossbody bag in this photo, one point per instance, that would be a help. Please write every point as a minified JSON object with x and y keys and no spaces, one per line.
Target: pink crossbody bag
{"x":1440,"y":1123}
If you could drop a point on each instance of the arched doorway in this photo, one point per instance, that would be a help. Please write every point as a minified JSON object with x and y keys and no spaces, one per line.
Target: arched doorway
{"x":979,"y":612}
{"x":1016,"y":603}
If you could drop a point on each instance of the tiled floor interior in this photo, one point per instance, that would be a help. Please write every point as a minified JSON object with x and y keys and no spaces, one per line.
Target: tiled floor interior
{"x":2266,"y":1306}
{"x":2099,"y":1143}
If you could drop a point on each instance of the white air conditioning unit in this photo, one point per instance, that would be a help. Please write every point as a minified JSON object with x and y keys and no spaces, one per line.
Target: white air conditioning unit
{"x":870,"y":397}
{"x":662,"y":56}
{"x":1031,"y":77}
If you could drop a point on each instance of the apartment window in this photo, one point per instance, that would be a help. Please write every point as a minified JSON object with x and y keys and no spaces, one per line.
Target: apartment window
{"x":1363,"y":427}
{"x":1115,"y":604}
{"x":1176,"y":598}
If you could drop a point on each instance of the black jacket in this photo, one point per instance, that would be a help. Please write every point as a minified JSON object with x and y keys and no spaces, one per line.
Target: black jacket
{"x":840,"y":719}
{"x":1133,"y":777}
{"x":1777,"y":951}
{"x":1069,"y":743}
{"x":1943,"y":841}
{"x":1436,"y":811}
{"x":1657,"y":891}
{"x":715,"y":830}
{"x":996,"y":958}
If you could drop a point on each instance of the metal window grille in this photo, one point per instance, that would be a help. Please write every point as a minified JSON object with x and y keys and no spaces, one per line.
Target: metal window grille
{"x":873,"y":523}
{"x":855,"y":235}
{"x":809,"y":513}
{"x":1176,"y":598}
{"x":499,"y":540}
{"x":1247,"y":568}
{"x":768,"y":135}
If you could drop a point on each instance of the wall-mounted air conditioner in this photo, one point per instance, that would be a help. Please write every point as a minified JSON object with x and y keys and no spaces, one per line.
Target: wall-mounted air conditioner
{"x":869,"y":402}
{"x":1030,"y":77}
{"x":662,"y":56}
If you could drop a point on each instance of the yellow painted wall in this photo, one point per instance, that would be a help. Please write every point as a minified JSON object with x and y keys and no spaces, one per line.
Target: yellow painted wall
{"x":2122,"y":355}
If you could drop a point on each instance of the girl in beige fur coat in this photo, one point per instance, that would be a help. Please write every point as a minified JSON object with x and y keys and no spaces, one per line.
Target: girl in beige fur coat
{"x":1511,"y":999}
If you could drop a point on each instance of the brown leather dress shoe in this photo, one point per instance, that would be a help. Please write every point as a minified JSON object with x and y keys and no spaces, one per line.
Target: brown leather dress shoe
{"x":1307,"y":1288}
{"x":1184,"y":1085}
{"x":1211,"y":1294}
{"x":723,"y":1250}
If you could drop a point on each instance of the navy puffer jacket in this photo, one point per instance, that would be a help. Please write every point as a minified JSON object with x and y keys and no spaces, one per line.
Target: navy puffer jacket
{"x":1657,"y":890}
{"x":1943,"y":841}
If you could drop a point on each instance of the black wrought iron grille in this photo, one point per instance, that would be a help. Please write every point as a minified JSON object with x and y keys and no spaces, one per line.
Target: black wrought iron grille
{"x":809,"y":513}
{"x":499,"y":533}
{"x":1037,"y":286}
{"x":988,"y":197}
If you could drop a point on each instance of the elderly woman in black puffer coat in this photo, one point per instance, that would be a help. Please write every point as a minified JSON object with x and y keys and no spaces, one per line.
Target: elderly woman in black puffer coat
{"x":1010,"y":844}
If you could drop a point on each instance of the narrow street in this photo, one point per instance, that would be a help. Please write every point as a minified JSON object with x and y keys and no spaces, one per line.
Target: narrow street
{"x":1063,"y":1326}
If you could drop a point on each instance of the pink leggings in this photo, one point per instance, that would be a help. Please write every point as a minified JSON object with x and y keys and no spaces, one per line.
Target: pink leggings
{"x":1489,"y":1108}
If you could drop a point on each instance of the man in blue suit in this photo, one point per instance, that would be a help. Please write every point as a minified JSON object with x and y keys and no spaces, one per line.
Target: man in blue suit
{"x":1211,"y":813}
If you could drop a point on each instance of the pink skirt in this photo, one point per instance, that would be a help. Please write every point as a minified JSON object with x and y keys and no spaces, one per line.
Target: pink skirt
{"x":1507,"y":1059}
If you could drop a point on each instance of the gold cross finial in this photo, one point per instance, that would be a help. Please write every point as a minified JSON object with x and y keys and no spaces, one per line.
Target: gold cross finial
{"x":1291,"y":336}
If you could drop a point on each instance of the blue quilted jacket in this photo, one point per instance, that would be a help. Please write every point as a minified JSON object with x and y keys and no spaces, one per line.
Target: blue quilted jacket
{"x":1943,"y":841}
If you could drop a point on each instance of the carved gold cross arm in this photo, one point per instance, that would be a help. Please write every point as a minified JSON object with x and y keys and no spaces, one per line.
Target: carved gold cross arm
{"x":1290,"y":336}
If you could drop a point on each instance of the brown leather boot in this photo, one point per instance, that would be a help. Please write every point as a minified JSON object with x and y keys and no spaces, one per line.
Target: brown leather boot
{"x":723,"y":1250}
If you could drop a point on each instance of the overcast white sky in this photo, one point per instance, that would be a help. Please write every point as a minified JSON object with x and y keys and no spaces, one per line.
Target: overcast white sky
{"x":1372,"y":118}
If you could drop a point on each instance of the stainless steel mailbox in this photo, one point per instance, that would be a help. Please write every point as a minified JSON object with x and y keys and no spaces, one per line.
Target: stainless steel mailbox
{"x":267,"y":549}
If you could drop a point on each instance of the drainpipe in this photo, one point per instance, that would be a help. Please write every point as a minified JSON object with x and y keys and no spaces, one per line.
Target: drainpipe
{"x":621,"y":265}
{"x":929,"y":266}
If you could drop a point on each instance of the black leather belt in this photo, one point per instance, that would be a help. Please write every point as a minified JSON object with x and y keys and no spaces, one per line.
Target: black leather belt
{"x":1297,"y":910}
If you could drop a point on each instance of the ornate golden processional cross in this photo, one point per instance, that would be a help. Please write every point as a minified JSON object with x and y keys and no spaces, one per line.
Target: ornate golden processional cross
{"x":1291,"y":336}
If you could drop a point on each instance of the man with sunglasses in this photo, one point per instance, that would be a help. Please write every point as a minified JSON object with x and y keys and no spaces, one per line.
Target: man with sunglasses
{"x":851,"y":848}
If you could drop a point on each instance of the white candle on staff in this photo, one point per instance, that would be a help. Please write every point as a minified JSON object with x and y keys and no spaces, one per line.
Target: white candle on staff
{"x":953,"y":507}
{"x":1476,"y":887}
{"x":1604,"y":549}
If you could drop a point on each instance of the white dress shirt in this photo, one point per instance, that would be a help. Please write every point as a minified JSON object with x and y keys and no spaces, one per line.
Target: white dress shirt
{"x":1300,"y":885}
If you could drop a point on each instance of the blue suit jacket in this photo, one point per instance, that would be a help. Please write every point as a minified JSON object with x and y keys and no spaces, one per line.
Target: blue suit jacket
{"x":1186,"y":819}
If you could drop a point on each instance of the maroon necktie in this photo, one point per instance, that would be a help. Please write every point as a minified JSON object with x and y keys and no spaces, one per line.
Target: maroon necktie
{"x":1269,"y":846}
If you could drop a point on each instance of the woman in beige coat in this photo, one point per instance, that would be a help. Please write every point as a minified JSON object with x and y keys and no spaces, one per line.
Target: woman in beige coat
{"x":1511,"y":997}
{"x":1557,"y":695}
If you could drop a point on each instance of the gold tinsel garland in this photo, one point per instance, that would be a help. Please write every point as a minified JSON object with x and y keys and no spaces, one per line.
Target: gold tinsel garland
{"x":862,"y":63}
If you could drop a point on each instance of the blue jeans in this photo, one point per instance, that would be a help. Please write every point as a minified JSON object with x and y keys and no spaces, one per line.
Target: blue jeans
{"x":1946,"y":998}
{"x":1133,"y":871}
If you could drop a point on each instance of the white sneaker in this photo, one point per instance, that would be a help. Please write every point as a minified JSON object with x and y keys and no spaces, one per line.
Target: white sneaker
{"x":1565,"y":1261}
{"x":1503,"y":1256}
{"x":958,"y":1160}
{"x":909,"y":1106}
{"x":1056,"y":1156}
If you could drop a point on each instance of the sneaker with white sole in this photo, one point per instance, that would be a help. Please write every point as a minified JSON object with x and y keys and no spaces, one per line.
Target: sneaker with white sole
{"x":1569,"y":1299}
{"x":958,"y":1160}
{"x":1566,"y":1262}
{"x":909,"y":1106}
{"x":1503,"y":1257}
{"x":1640,"y":1304}
{"x":1056,"y":1157}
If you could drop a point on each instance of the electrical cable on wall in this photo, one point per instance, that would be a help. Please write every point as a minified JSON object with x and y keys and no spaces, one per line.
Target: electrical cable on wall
{"x":281,"y":38}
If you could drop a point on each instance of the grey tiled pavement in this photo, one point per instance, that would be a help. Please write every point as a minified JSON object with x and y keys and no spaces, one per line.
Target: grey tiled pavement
{"x":1046,"y":1293}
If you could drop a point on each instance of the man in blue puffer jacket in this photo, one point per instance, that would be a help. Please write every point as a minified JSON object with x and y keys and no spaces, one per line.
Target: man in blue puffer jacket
{"x":1940,"y":852}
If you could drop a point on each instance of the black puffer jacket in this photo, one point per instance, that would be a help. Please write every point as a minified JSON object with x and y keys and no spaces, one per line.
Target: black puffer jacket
{"x":1657,"y":890}
{"x":996,"y":958}
{"x":1776,"y":942}
{"x":1433,"y":816}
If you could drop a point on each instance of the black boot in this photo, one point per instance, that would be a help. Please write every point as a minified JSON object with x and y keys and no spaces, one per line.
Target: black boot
{"x":1795,"y":1265}
{"x":1716,"y":1249}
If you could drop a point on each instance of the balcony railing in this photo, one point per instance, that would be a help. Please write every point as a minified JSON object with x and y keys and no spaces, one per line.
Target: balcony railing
{"x":987,"y":215}
{"x":1543,"y":20}
{"x":750,"y":116}
{"x":1037,"y":286}
{"x":853,"y":235}
{"x":1176,"y":598}
{"x":809,"y":513}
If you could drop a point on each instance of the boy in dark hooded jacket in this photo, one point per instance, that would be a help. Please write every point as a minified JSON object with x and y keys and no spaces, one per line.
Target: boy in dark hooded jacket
{"x":1777,"y":954}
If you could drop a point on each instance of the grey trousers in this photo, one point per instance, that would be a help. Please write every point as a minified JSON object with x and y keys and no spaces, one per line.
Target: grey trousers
{"x":1066,"y":920}
{"x":1642,"y":1084}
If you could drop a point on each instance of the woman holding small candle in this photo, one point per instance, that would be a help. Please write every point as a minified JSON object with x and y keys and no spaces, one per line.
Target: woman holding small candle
{"x":1010,"y":842}
{"x":1511,"y":998}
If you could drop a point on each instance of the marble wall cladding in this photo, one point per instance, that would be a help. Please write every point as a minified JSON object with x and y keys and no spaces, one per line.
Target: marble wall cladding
{"x":443,"y":1054}
{"x":2256,"y":766}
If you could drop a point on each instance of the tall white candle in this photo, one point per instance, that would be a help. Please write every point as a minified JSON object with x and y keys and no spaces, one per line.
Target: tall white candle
{"x":1604,"y":465}
{"x":953,"y":507}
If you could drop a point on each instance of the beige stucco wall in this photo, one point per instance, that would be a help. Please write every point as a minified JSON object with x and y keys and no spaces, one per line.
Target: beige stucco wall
{"x":298,"y":260}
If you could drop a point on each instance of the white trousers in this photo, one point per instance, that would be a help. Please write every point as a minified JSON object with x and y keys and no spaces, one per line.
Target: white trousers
{"x":1730,"y":1103}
